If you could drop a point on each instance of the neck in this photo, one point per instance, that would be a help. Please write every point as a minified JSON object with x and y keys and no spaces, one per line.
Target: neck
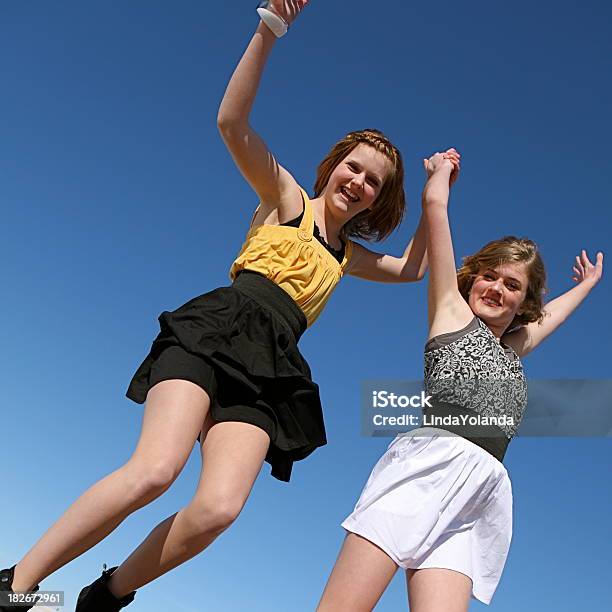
{"x":497,"y":330}
{"x":328,"y":225}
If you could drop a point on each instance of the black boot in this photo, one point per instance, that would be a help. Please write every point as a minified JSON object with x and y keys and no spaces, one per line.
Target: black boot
{"x":6,"y":587}
{"x":97,"y":598}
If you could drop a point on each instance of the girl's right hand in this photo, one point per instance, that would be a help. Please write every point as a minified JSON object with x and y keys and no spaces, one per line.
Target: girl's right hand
{"x":287,"y":9}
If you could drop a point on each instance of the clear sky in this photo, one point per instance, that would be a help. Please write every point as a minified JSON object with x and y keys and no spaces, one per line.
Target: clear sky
{"x":120,"y":201}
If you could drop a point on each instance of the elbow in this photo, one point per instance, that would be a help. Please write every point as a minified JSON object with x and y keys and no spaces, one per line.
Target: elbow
{"x":413,"y":274}
{"x":228,"y":124}
{"x":420,"y":275}
{"x":223,"y":123}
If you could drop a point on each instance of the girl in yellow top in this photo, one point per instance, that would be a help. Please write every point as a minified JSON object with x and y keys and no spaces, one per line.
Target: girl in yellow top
{"x":225,"y":367}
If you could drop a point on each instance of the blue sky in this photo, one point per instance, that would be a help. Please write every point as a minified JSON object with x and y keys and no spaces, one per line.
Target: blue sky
{"x":120,"y":201}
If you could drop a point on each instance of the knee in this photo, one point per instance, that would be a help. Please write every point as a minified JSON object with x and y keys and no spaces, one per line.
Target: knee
{"x":148,"y":481}
{"x":213,"y":514}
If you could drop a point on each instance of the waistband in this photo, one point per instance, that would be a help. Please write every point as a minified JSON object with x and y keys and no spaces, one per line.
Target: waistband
{"x":271,"y":297}
{"x":491,"y":438}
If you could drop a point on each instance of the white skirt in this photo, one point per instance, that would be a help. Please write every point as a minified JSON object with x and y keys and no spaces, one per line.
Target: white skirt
{"x":435,"y":499}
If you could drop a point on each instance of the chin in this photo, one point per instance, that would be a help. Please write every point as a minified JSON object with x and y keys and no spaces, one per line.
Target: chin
{"x":487,"y":313}
{"x":337,"y":206}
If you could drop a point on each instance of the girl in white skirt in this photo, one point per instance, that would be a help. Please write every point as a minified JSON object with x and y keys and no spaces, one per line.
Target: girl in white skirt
{"x":438,"y":503}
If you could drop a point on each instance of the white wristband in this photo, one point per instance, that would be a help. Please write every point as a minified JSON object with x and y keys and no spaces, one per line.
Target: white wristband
{"x":275,"y":23}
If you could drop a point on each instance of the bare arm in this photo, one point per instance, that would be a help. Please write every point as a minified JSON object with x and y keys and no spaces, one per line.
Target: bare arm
{"x":558,"y":310}
{"x":273,"y":184}
{"x":447,"y":309}
{"x":410,"y":267}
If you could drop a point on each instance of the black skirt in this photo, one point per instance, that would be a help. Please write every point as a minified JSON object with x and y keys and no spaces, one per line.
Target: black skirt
{"x":240,"y":344}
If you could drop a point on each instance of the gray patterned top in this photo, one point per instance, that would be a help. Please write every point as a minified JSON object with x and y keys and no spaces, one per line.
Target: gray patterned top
{"x":471,"y":369}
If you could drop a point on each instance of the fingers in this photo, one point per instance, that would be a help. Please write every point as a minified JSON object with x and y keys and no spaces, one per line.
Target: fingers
{"x":584,"y":270}
{"x":287,"y":9}
{"x":455,"y":157}
{"x":579,"y":266}
{"x":437,"y":160}
{"x":297,"y":6}
{"x":598,"y":265}
{"x":584,"y":258}
{"x":451,"y":154}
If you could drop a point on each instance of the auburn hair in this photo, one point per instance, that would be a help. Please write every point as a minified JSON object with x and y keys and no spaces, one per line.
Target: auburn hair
{"x":509,"y":249}
{"x":388,"y":209}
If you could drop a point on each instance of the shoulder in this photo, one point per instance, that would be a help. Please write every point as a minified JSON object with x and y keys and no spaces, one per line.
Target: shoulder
{"x":355,"y":253}
{"x":518,"y":340}
{"x":444,"y":339}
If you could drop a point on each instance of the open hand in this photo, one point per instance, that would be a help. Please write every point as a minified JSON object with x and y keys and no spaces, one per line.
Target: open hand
{"x":450,"y":159}
{"x":585,"y":271}
{"x":287,"y":9}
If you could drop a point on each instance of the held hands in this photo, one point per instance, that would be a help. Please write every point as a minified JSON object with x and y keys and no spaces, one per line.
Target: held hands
{"x":287,"y":10}
{"x":449,"y":161}
{"x":585,"y":271}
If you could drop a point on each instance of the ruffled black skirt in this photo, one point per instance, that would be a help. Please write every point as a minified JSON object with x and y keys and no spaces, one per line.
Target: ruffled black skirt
{"x":240,"y":344}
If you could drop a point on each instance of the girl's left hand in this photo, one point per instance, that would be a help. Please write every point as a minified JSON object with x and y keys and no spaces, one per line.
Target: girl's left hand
{"x":585,"y":271}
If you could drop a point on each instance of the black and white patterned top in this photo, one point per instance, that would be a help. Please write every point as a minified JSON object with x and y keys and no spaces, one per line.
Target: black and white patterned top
{"x":471,"y":369}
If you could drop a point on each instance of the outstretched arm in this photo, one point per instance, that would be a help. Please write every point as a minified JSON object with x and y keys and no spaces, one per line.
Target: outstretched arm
{"x":411,"y":266}
{"x":587,"y":275}
{"x":273,"y":184}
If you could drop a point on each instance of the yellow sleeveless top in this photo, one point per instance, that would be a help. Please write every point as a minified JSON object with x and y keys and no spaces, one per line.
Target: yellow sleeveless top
{"x":295,"y":260}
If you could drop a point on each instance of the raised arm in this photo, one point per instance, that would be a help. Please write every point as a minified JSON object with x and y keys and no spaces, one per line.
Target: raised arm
{"x":448,"y":310}
{"x":273,"y":184}
{"x":587,"y":275}
{"x":410,"y":267}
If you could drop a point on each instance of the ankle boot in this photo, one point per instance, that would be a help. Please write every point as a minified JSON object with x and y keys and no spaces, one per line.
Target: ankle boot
{"x":6,"y":588}
{"x":97,"y":598}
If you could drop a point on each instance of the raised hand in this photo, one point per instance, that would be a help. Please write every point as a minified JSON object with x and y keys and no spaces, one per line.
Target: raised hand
{"x":585,"y":271}
{"x":288,"y":10}
{"x":450,"y":160}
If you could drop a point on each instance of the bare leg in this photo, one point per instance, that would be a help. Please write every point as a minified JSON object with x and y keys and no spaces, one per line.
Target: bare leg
{"x":173,"y":416}
{"x":438,"y":590}
{"x":359,"y":578}
{"x":232,"y":455}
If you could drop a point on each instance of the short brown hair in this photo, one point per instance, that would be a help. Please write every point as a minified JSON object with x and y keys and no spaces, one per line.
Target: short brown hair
{"x":388,"y":209}
{"x":509,"y":249}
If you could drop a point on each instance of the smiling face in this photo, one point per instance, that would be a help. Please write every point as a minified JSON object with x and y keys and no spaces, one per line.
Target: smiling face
{"x":356,"y":182}
{"x":361,"y":213}
{"x":506,"y":294}
{"x":497,"y":294}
